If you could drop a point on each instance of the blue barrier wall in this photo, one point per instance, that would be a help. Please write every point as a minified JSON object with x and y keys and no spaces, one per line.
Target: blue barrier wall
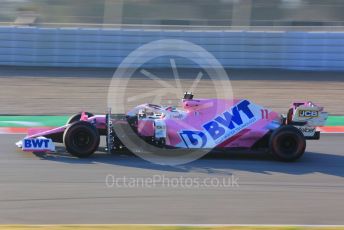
{"x":80,"y":47}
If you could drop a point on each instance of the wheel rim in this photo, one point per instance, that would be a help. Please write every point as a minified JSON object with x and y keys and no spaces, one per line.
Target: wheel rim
{"x":81,"y":139}
{"x":288,"y":144}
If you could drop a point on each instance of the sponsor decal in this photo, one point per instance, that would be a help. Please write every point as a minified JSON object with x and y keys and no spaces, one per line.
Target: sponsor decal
{"x":308,"y":113}
{"x":307,"y":131}
{"x":193,"y":139}
{"x":222,"y":127}
{"x":38,"y":144}
{"x":160,"y":128}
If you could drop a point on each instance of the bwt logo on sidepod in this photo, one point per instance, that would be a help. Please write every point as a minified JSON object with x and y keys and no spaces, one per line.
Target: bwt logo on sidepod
{"x":225,"y":125}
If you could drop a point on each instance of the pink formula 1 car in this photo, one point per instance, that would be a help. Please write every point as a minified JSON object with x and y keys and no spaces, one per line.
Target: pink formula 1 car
{"x":200,"y":124}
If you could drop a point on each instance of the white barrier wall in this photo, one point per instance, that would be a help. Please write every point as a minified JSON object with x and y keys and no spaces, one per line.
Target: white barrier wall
{"x":80,"y":47}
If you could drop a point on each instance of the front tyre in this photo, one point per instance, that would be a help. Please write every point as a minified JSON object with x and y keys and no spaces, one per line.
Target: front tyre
{"x":81,"y":139}
{"x":287,"y":143}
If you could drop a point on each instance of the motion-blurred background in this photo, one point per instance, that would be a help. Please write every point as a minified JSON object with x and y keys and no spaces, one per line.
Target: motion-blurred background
{"x":224,"y":13}
{"x":275,"y":51}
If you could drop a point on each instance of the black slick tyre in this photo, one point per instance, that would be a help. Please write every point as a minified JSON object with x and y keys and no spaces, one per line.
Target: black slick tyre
{"x":287,"y":143}
{"x":81,"y":139}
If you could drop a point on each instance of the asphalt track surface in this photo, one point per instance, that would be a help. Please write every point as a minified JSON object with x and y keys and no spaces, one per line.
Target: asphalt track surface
{"x":57,"y":188}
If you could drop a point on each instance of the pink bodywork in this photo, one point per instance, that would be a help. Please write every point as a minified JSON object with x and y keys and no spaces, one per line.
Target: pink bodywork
{"x":145,"y":127}
{"x":98,"y":120}
{"x":201,"y":123}
{"x":296,"y":104}
{"x":198,"y":112}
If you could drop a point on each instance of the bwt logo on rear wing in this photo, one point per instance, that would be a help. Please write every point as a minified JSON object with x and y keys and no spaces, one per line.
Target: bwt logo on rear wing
{"x":223,"y":126}
{"x":37,"y":144}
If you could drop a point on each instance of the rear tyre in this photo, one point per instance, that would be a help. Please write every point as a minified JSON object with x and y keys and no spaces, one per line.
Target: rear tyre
{"x":81,"y":139}
{"x":76,"y":117}
{"x":287,"y":143}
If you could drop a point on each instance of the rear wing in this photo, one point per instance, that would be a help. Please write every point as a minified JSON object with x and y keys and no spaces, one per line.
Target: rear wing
{"x":309,"y":113}
{"x":307,"y":116}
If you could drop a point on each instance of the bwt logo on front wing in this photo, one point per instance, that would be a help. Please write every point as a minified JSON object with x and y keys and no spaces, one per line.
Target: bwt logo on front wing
{"x":219,"y":129}
{"x":38,"y":144}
